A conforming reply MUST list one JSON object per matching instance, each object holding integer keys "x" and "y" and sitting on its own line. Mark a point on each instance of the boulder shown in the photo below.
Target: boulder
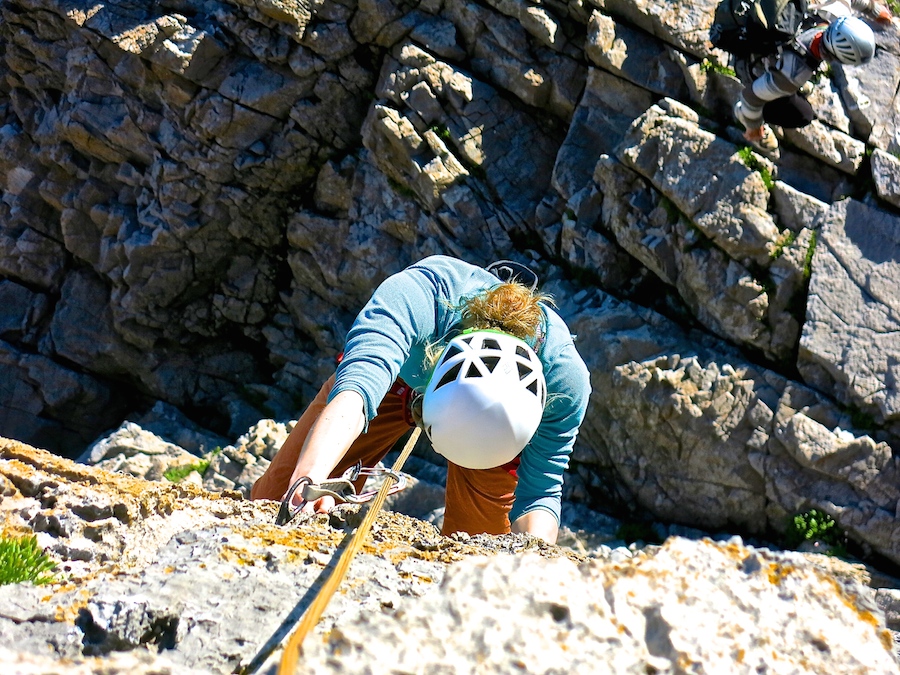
{"x": 849, "y": 345}
{"x": 716, "y": 606}
{"x": 702, "y": 436}
{"x": 886, "y": 173}
{"x": 625, "y": 52}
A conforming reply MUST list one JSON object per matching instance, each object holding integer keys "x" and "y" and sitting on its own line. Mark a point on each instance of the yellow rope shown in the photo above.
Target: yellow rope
{"x": 291, "y": 653}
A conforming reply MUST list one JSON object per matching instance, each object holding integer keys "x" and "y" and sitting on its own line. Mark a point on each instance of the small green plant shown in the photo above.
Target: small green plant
{"x": 762, "y": 276}
{"x": 860, "y": 419}
{"x": 822, "y": 73}
{"x": 814, "y": 525}
{"x": 176, "y": 474}
{"x": 21, "y": 559}
{"x": 784, "y": 240}
{"x": 401, "y": 189}
{"x": 672, "y": 212}
{"x": 475, "y": 170}
{"x": 707, "y": 65}
{"x": 894, "y": 6}
{"x": 633, "y": 531}
{"x": 752, "y": 162}
{"x": 442, "y": 132}
{"x": 810, "y": 252}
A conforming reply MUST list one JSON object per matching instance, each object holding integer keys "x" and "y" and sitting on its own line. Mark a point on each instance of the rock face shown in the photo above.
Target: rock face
{"x": 703, "y": 436}
{"x": 854, "y": 310}
{"x": 197, "y": 197}
{"x": 155, "y": 577}
{"x": 205, "y": 578}
{"x": 662, "y": 614}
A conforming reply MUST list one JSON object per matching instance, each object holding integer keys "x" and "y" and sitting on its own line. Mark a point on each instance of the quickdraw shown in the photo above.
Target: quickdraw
{"x": 341, "y": 489}
{"x": 291, "y": 654}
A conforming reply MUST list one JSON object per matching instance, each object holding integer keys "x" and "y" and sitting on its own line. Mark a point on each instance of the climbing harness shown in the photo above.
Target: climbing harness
{"x": 341, "y": 489}
{"x": 312, "y": 615}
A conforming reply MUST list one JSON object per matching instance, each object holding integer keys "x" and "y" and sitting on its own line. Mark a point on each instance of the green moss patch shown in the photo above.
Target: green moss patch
{"x": 751, "y": 161}
{"x": 176, "y": 474}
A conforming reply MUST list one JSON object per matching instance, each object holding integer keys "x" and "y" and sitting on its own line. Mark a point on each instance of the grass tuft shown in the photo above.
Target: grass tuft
{"x": 21, "y": 559}
{"x": 784, "y": 240}
{"x": 672, "y": 212}
{"x": 861, "y": 419}
{"x": 442, "y": 132}
{"x": 707, "y": 65}
{"x": 810, "y": 252}
{"x": 751, "y": 161}
{"x": 402, "y": 189}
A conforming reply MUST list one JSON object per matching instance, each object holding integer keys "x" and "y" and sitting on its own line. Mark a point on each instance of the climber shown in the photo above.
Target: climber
{"x": 775, "y": 83}
{"x": 503, "y": 400}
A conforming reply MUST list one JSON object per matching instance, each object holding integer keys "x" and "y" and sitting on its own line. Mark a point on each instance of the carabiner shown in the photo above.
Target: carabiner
{"x": 285, "y": 514}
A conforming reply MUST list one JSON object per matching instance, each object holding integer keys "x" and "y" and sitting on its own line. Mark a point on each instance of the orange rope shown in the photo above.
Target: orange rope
{"x": 291, "y": 653}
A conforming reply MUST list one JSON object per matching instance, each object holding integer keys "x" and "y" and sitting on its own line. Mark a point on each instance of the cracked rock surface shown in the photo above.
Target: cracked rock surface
{"x": 157, "y": 577}
{"x": 197, "y": 196}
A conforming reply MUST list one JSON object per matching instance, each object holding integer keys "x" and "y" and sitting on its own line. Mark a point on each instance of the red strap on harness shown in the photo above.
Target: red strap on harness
{"x": 512, "y": 467}
{"x": 405, "y": 392}
{"x": 815, "y": 47}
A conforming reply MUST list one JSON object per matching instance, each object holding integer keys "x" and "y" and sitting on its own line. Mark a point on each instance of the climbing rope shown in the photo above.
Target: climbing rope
{"x": 312, "y": 615}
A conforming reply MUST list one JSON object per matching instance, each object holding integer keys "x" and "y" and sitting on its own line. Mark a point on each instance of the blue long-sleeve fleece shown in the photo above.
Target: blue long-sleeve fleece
{"x": 419, "y": 307}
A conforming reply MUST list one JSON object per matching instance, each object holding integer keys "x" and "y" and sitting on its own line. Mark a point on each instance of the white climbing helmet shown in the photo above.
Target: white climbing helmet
{"x": 850, "y": 40}
{"x": 485, "y": 399}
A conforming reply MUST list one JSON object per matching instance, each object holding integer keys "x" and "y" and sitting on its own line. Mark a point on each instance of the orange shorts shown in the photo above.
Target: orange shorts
{"x": 477, "y": 500}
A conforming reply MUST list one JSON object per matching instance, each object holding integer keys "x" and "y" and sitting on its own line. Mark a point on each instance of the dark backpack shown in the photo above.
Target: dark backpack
{"x": 760, "y": 27}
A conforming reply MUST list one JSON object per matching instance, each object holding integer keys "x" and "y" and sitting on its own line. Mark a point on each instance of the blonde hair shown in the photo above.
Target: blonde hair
{"x": 509, "y": 307}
